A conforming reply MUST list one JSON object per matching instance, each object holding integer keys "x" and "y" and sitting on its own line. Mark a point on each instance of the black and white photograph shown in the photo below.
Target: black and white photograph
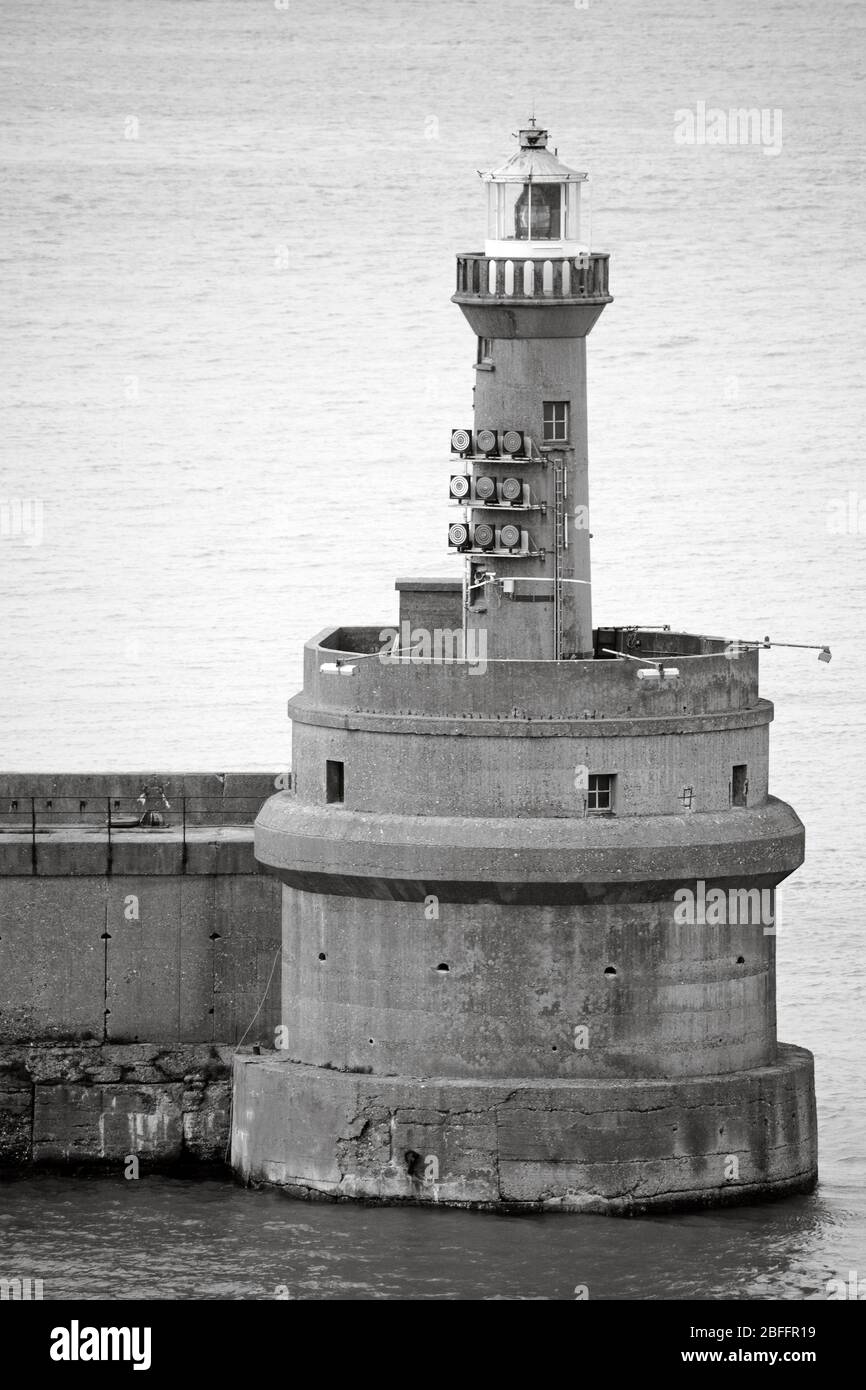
{"x": 432, "y": 534}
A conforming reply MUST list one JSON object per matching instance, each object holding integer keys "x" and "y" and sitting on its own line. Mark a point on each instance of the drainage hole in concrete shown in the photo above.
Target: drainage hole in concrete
{"x": 443, "y": 968}
{"x": 371, "y": 1040}
{"x": 741, "y": 960}
{"x": 322, "y": 956}
{"x": 609, "y": 970}
{"x": 554, "y": 1048}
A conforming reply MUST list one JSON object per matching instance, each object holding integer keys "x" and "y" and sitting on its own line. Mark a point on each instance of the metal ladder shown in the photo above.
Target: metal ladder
{"x": 560, "y": 541}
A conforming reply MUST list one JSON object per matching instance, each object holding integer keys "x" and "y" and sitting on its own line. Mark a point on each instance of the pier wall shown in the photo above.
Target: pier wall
{"x": 133, "y": 960}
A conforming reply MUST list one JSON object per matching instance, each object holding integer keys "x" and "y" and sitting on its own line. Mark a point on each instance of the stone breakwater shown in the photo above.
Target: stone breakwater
{"x": 138, "y": 940}
{"x": 100, "y": 1103}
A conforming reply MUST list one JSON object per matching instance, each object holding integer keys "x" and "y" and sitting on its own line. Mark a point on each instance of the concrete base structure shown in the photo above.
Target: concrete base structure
{"x": 491, "y": 996}
{"x": 606, "y": 1147}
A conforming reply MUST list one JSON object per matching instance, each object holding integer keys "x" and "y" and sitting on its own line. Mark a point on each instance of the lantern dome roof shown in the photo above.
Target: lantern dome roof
{"x": 533, "y": 162}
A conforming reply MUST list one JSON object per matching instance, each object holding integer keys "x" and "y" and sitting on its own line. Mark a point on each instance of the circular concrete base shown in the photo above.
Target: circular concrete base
{"x": 610, "y": 1147}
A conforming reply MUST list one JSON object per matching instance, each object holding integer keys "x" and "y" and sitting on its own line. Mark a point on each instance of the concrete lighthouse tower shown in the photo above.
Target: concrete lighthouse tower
{"x": 528, "y": 865}
{"x": 531, "y": 299}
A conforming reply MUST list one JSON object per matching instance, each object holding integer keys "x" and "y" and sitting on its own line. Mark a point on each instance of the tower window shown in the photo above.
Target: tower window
{"x": 485, "y": 349}
{"x": 599, "y": 797}
{"x": 555, "y": 422}
{"x": 333, "y": 780}
{"x": 739, "y": 784}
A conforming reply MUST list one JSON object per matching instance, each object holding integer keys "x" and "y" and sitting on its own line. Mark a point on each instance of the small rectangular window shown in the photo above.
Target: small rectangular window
{"x": 599, "y": 797}
{"x": 333, "y": 780}
{"x": 739, "y": 784}
{"x": 555, "y": 422}
{"x": 485, "y": 349}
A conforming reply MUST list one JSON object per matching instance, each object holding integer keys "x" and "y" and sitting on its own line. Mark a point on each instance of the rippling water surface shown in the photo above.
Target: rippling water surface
{"x": 171, "y": 1238}
{"x": 229, "y": 368}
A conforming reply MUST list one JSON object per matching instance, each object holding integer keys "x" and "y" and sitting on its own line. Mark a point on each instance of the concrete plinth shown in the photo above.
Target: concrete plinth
{"x": 493, "y": 996}
{"x": 608, "y": 1147}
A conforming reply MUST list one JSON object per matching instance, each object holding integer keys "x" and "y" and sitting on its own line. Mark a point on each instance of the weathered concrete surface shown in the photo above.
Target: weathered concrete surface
{"x": 68, "y": 798}
{"x": 489, "y": 991}
{"x": 177, "y": 957}
{"x": 526, "y": 372}
{"x": 522, "y": 693}
{"x": 519, "y": 854}
{"x": 52, "y": 957}
{"x": 460, "y": 919}
{"x": 611, "y": 1147}
{"x": 100, "y": 1104}
{"x": 131, "y": 959}
{"x": 431, "y": 603}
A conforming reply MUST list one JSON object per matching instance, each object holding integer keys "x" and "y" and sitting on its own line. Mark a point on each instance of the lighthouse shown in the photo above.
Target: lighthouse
{"x": 529, "y": 865}
{"x": 531, "y": 299}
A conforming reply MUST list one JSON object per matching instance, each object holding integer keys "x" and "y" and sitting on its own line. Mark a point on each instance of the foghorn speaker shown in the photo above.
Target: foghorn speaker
{"x": 511, "y": 489}
{"x": 458, "y": 535}
{"x": 512, "y": 442}
{"x": 483, "y": 536}
{"x": 484, "y": 488}
{"x": 485, "y": 441}
{"x": 459, "y": 485}
{"x": 510, "y": 537}
{"x": 461, "y": 442}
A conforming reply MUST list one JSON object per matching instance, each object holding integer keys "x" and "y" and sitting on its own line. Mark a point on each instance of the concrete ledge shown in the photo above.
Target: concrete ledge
{"x": 606, "y": 1147}
{"x": 81, "y": 852}
{"x": 514, "y": 855}
{"x": 476, "y": 726}
{"x": 224, "y": 789}
{"x": 530, "y": 318}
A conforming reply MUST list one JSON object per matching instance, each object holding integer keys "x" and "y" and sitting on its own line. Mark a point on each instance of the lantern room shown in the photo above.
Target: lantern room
{"x": 534, "y": 203}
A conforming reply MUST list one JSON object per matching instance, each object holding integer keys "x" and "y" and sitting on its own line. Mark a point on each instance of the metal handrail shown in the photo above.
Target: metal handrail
{"x": 112, "y": 813}
{"x": 587, "y": 276}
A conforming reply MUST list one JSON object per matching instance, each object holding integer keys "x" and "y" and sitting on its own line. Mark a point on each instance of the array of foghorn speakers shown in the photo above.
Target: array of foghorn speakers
{"x": 489, "y": 443}
{"x": 481, "y": 536}
{"x": 486, "y": 491}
